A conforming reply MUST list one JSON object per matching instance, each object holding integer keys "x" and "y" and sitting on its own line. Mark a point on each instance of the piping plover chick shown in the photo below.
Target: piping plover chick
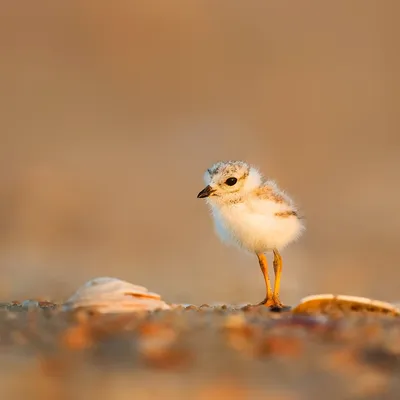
{"x": 253, "y": 214}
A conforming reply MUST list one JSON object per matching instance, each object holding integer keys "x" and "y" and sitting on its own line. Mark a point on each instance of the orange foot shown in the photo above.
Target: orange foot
{"x": 273, "y": 302}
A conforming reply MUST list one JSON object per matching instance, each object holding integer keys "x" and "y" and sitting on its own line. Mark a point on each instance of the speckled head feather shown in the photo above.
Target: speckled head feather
{"x": 229, "y": 181}
{"x": 229, "y": 167}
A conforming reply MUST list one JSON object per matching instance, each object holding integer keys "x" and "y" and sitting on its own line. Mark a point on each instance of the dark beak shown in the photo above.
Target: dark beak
{"x": 207, "y": 191}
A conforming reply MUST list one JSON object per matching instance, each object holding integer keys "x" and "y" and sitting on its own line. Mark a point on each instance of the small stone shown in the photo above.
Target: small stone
{"x": 30, "y": 304}
{"x": 191, "y": 307}
{"x": 47, "y": 304}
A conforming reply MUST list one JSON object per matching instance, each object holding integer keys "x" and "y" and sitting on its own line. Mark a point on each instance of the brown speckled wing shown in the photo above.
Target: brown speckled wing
{"x": 269, "y": 192}
{"x": 286, "y": 214}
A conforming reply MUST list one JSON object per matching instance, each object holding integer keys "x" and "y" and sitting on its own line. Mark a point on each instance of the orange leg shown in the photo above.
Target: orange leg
{"x": 278, "y": 272}
{"x": 268, "y": 301}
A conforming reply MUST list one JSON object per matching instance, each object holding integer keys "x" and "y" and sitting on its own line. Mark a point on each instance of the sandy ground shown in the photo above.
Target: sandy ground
{"x": 197, "y": 353}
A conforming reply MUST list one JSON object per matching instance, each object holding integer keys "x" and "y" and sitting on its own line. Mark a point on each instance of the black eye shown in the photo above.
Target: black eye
{"x": 231, "y": 181}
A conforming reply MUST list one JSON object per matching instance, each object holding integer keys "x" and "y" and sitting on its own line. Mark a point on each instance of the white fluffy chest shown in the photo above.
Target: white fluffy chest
{"x": 254, "y": 226}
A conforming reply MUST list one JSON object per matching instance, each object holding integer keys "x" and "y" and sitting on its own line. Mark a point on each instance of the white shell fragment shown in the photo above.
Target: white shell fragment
{"x": 323, "y": 302}
{"x": 112, "y": 295}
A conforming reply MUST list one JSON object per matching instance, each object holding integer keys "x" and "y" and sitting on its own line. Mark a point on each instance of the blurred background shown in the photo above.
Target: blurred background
{"x": 111, "y": 113}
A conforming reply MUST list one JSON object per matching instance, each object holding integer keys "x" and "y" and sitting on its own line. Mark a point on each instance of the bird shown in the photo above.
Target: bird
{"x": 253, "y": 214}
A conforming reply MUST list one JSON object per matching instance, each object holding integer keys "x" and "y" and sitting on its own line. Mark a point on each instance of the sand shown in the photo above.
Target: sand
{"x": 195, "y": 352}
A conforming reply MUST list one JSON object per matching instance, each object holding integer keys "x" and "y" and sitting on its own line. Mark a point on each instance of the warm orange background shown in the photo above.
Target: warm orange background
{"x": 111, "y": 114}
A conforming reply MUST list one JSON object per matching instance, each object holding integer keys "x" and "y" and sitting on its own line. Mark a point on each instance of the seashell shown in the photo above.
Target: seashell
{"x": 324, "y": 302}
{"x": 112, "y": 295}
